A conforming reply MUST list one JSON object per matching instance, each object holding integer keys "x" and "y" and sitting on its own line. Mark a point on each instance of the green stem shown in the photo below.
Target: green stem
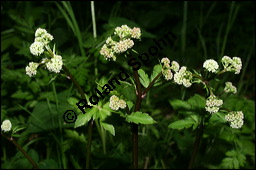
{"x": 88, "y": 152}
{"x": 135, "y": 126}
{"x": 196, "y": 145}
{"x": 22, "y": 150}
{"x": 151, "y": 84}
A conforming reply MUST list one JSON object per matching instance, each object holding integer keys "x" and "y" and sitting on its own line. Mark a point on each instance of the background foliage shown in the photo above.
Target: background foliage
{"x": 204, "y": 30}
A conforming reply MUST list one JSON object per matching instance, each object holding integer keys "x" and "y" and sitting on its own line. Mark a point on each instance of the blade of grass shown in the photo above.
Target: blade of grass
{"x": 183, "y": 30}
{"x": 232, "y": 16}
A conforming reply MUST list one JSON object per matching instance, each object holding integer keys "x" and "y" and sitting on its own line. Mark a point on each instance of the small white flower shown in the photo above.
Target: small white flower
{"x": 36, "y": 48}
{"x": 232, "y": 65}
{"x": 237, "y": 64}
{"x": 226, "y": 61}
{"x": 114, "y": 102}
{"x": 166, "y": 62}
{"x": 211, "y": 65}
{"x": 175, "y": 66}
{"x": 110, "y": 41}
{"x": 213, "y": 103}
{"x": 122, "y": 104}
{"x": 123, "y": 46}
{"x": 123, "y": 31}
{"x": 55, "y": 65}
{"x": 6, "y": 126}
{"x": 39, "y": 32}
{"x": 183, "y": 77}
{"x": 107, "y": 52}
{"x": 167, "y": 74}
{"x": 136, "y": 33}
{"x": 31, "y": 69}
{"x": 42, "y": 36}
{"x": 235, "y": 118}
{"x": 229, "y": 88}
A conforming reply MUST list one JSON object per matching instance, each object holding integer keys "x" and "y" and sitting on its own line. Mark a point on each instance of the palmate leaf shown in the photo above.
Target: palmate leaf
{"x": 139, "y": 117}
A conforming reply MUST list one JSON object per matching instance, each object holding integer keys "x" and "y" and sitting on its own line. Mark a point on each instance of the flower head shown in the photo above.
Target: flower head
{"x": 41, "y": 35}
{"x": 235, "y": 118}
{"x": 213, "y": 103}
{"x": 237, "y": 65}
{"x": 211, "y": 65}
{"x": 123, "y": 31}
{"x": 229, "y": 88}
{"x": 167, "y": 74}
{"x": 31, "y": 69}
{"x": 175, "y": 66}
{"x": 166, "y": 62}
{"x": 6, "y": 125}
{"x": 232, "y": 65}
{"x": 136, "y": 33}
{"x": 116, "y": 103}
{"x": 55, "y": 65}
{"x": 123, "y": 46}
{"x": 122, "y": 104}
{"x": 36, "y": 48}
{"x": 183, "y": 77}
{"x": 107, "y": 52}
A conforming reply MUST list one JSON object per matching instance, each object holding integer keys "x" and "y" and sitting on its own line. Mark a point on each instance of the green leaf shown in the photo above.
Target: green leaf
{"x": 139, "y": 117}
{"x": 197, "y": 102}
{"x": 157, "y": 69}
{"x": 84, "y": 118}
{"x": 129, "y": 104}
{"x": 143, "y": 78}
{"x": 180, "y": 104}
{"x": 181, "y": 124}
{"x": 108, "y": 127}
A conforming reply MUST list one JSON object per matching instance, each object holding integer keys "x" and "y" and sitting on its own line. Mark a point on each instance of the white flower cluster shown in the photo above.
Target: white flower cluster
{"x": 183, "y": 77}
{"x": 42, "y": 39}
{"x": 55, "y": 64}
{"x": 125, "y": 35}
{"x": 232, "y": 65}
{"x": 236, "y": 119}
{"x": 123, "y": 46}
{"x": 31, "y": 69}
{"x": 6, "y": 125}
{"x": 229, "y": 88}
{"x": 213, "y": 103}
{"x": 166, "y": 70}
{"x": 116, "y": 103}
{"x": 211, "y": 65}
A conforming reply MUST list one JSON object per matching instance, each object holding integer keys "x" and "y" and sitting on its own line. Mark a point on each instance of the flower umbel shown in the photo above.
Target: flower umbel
{"x": 229, "y": 88}
{"x": 213, "y": 103}
{"x": 31, "y": 69}
{"x": 235, "y": 118}
{"x": 232, "y": 65}
{"x": 36, "y": 48}
{"x": 116, "y": 103}
{"x": 55, "y": 64}
{"x": 211, "y": 65}
{"x": 125, "y": 35}
{"x": 183, "y": 77}
{"x": 6, "y": 125}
